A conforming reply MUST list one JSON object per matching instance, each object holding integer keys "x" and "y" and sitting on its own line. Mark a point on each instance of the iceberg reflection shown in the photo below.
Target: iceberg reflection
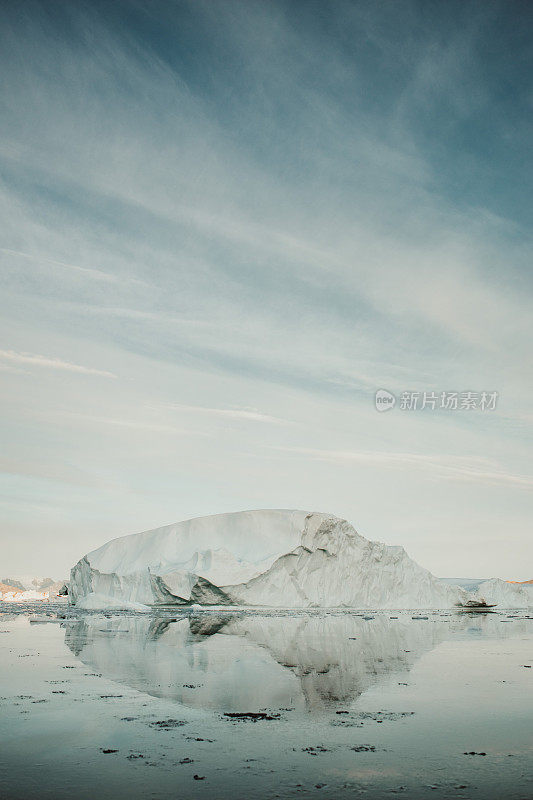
{"x": 248, "y": 662}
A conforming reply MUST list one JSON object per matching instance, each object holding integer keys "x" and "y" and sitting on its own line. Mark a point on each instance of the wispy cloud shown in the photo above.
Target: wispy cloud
{"x": 246, "y": 414}
{"x": 466, "y": 468}
{"x": 96, "y": 274}
{"x": 53, "y": 471}
{"x": 47, "y": 362}
{"x": 136, "y": 424}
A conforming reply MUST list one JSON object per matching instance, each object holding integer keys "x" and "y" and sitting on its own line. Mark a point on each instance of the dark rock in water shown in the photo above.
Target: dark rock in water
{"x": 475, "y": 605}
{"x": 198, "y": 739}
{"x": 199, "y": 777}
{"x": 166, "y": 724}
{"x": 250, "y": 715}
{"x": 108, "y": 750}
{"x": 363, "y": 748}
{"x": 187, "y": 761}
{"x": 473, "y": 753}
{"x": 380, "y": 716}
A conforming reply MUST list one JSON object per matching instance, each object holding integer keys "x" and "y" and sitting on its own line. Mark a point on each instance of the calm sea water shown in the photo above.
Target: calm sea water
{"x": 354, "y": 704}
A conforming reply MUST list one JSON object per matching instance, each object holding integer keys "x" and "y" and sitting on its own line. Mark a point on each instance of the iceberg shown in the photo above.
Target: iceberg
{"x": 266, "y": 558}
{"x": 505, "y": 594}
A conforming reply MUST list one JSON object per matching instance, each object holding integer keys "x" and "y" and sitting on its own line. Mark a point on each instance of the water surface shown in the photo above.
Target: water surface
{"x": 370, "y": 704}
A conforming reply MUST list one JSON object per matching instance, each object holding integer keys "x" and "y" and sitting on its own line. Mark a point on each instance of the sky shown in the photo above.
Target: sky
{"x": 225, "y": 226}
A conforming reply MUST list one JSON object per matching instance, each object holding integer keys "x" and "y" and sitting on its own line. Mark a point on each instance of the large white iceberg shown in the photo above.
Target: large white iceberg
{"x": 283, "y": 559}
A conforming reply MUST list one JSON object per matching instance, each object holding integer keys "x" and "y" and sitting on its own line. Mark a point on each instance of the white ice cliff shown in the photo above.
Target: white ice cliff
{"x": 283, "y": 559}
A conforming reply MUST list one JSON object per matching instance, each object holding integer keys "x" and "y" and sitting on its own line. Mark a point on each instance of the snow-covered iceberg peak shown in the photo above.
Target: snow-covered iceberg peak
{"x": 288, "y": 559}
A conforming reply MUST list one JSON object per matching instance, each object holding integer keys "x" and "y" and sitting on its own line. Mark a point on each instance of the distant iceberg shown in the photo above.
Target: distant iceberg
{"x": 505, "y": 594}
{"x": 29, "y": 589}
{"x": 280, "y": 559}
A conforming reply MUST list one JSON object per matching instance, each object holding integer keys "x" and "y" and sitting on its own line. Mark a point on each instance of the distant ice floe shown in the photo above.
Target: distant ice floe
{"x": 29, "y": 589}
{"x": 24, "y": 596}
